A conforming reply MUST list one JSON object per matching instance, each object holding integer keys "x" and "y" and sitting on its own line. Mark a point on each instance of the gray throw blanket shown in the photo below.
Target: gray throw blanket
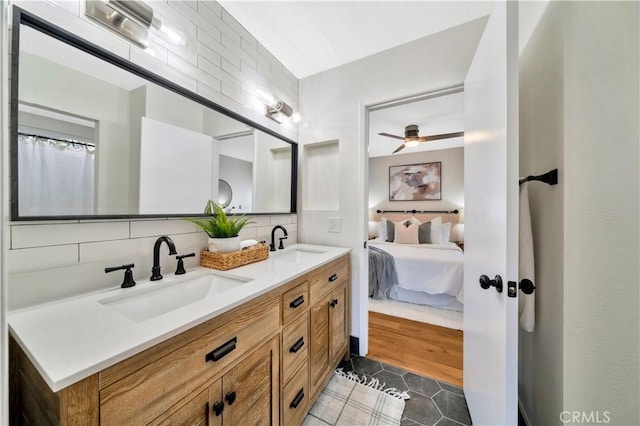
{"x": 382, "y": 273}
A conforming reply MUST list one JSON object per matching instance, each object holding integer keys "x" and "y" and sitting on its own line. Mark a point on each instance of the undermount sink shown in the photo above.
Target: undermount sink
{"x": 298, "y": 255}
{"x": 169, "y": 296}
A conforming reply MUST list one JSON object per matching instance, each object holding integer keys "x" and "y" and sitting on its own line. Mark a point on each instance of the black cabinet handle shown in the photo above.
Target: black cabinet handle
{"x": 333, "y": 277}
{"x": 297, "y": 302}
{"x": 296, "y": 401}
{"x": 218, "y": 408}
{"x": 335, "y": 302}
{"x": 221, "y": 351}
{"x": 230, "y": 398}
{"x": 333, "y": 305}
{"x": 297, "y": 346}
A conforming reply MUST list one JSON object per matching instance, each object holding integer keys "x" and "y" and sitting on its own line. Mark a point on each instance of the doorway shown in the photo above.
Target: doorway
{"x": 416, "y": 323}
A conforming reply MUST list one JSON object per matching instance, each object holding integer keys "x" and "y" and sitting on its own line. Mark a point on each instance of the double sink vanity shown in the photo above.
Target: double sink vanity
{"x": 254, "y": 345}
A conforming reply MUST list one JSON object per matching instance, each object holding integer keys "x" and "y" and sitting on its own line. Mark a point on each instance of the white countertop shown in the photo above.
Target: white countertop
{"x": 71, "y": 339}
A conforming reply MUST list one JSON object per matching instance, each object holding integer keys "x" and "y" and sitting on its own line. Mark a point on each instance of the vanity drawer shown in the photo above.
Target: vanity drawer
{"x": 328, "y": 278}
{"x": 294, "y": 302}
{"x": 295, "y": 398}
{"x": 295, "y": 346}
{"x": 146, "y": 393}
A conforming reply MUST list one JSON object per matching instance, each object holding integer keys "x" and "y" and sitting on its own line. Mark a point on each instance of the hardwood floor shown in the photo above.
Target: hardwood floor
{"x": 425, "y": 349}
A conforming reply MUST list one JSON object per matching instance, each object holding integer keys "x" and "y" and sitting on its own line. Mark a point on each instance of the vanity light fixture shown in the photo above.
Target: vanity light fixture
{"x": 133, "y": 20}
{"x": 277, "y": 109}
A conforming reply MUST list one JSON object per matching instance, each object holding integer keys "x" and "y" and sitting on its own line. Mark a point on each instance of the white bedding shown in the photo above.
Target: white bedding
{"x": 430, "y": 268}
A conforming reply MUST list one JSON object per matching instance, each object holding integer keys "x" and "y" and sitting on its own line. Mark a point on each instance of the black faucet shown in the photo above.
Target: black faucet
{"x": 272, "y": 246}
{"x": 155, "y": 271}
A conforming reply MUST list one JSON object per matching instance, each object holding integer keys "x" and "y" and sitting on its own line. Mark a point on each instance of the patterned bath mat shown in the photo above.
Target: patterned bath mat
{"x": 349, "y": 400}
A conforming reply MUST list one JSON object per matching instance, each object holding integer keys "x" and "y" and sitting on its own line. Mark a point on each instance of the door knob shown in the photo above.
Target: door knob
{"x": 486, "y": 282}
{"x": 526, "y": 286}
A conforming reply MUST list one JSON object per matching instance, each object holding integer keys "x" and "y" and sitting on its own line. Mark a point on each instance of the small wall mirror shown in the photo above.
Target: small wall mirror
{"x": 225, "y": 194}
{"x": 95, "y": 136}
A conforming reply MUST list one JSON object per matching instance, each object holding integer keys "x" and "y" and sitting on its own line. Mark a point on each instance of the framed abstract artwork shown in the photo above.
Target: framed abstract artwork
{"x": 415, "y": 182}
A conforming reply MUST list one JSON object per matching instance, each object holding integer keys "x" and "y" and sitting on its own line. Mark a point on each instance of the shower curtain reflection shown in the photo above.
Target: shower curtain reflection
{"x": 56, "y": 176}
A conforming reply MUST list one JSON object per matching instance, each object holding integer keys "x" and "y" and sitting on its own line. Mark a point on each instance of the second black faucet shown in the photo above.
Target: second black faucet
{"x": 272, "y": 246}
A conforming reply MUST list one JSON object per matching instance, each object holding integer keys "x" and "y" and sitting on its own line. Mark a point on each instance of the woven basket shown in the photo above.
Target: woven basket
{"x": 225, "y": 261}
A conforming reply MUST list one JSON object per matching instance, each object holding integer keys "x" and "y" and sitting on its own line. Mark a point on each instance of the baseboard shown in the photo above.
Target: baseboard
{"x": 354, "y": 345}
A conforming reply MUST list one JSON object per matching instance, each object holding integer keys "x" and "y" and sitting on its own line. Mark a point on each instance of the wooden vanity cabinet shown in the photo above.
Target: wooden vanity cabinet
{"x": 328, "y": 321}
{"x": 273, "y": 355}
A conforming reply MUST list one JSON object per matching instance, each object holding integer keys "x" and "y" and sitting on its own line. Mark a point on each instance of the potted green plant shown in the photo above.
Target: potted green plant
{"x": 223, "y": 231}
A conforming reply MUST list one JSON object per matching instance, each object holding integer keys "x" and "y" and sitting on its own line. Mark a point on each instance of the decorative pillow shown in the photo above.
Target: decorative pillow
{"x": 424, "y": 233}
{"x": 445, "y": 229}
{"x": 413, "y": 219}
{"x": 436, "y": 232}
{"x": 391, "y": 229}
{"x": 406, "y": 234}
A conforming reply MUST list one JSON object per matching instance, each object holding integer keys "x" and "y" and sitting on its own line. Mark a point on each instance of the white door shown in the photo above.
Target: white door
{"x": 491, "y": 221}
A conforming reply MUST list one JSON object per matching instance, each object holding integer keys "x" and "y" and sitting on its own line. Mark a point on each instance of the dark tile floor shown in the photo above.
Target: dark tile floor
{"x": 432, "y": 402}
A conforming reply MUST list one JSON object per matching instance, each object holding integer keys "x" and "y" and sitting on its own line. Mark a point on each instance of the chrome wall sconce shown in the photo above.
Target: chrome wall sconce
{"x": 131, "y": 19}
{"x": 277, "y": 109}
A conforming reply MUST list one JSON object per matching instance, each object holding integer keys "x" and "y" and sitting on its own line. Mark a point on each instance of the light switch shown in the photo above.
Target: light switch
{"x": 334, "y": 224}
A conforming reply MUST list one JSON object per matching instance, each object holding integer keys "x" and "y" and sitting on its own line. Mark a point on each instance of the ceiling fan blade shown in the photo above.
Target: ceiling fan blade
{"x": 441, "y": 136}
{"x": 400, "y": 148}
{"x": 391, "y": 136}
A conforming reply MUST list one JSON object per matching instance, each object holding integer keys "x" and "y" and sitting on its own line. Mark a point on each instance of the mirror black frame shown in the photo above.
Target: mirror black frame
{"x": 21, "y": 16}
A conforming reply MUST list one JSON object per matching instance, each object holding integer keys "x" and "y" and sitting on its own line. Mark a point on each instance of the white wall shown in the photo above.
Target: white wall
{"x": 451, "y": 180}
{"x": 542, "y": 149}
{"x": 580, "y": 111}
{"x": 601, "y": 270}
{"x": 332, "y": 106}
{"x": 238, "y": 174}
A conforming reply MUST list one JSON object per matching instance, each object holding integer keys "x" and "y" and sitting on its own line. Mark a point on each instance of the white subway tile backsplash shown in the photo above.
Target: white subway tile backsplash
{"x": 32, "y": 259}
{"x": 208, "y": 54}
{"x": 235, "y": 25}
{"x": 234, "y": 46}
{"x": 24, "y": 236}
{"x": 192, "y": 70}
{"x": 248, "y": 233}
{"x": 206, "y": 7}
{"x": 156, "y": 228}
{"x": 79, "y": 26}
{"x": 281, "y": 219}
{"x": 163, "y": 70}
{"x": 261, "y": 220}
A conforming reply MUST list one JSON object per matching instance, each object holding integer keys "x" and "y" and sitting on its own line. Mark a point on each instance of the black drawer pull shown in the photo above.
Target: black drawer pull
{"x": 333, "y": 277}
{"x": 296, "y": 401}
{"x": 297, "y": 346}
{"x": 230, "y": 397}
{"x": 335, "y": 302}
{"x": 218, "y": 408}
{"x": 297, "y": 302}
{"x": 218, "y": 353}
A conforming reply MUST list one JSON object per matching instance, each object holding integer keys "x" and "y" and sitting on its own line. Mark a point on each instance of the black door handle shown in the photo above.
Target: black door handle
{"x": 527, "y": 287}
{"x": 230, "y": 398}
{"x": 333, "y": 277}
{"x": 486, "y": 282}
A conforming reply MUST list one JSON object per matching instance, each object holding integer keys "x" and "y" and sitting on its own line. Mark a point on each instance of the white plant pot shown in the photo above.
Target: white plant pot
{"x": 224, "y": 245}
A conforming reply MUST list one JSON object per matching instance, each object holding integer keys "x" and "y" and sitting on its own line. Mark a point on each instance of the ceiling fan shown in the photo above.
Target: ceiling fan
{"x": 411, "y": 137}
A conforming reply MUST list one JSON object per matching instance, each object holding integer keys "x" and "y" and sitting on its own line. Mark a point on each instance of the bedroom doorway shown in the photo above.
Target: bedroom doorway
{"x": 416, "y": 220}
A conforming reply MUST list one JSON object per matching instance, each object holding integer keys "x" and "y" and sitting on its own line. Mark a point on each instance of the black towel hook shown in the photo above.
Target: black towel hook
{"x": 550, "y": 178}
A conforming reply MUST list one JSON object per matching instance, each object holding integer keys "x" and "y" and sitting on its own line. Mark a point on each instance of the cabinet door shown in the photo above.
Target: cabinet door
{"x": 251, "y": 391}
{"x": 195, "y": 410}
{"x": 338, "y": 321}
{"x": 319, "y": 331}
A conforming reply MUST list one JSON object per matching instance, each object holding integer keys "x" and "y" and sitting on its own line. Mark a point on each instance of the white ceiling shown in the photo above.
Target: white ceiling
{"x": 444, "y": 114}
{"x": 308, "y": 37}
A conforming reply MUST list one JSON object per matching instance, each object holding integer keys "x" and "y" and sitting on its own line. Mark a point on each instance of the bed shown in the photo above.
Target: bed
{"x": 426, "y": 274}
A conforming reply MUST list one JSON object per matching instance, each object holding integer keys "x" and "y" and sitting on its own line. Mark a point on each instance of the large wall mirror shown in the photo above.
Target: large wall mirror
{"x": 94, "y": 136}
